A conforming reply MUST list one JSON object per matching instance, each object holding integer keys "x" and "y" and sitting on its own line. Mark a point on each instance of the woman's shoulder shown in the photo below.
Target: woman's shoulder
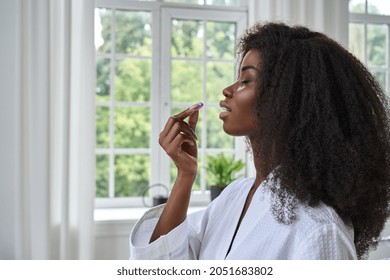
{"x": 311, "y": 218}
{"x": 320, "y": 213}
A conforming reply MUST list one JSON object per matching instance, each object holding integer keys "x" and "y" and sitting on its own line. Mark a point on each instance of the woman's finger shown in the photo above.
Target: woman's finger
{"x": 182, "y": 145}
{"x": 193, "y": 120}
{"x": 168, "y": 126}
{"x": 173, "y": 132}
{"x": 176, "y": 125}
{"x": 185, "y": 128}
{"x": 187, "y": 112}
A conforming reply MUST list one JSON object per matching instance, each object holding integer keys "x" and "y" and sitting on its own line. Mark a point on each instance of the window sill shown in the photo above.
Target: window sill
{"x": 128, "y": 214}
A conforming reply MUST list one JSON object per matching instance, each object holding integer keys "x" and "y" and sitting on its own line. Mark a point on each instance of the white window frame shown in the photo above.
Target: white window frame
{"x": 160, "y": 103}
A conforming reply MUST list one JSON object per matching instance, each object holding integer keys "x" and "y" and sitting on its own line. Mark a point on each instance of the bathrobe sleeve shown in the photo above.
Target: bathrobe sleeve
{"x": 183, "y": 242}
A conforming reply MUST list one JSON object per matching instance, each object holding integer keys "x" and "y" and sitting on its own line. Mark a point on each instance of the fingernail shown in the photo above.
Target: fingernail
{"x": 196, "y": 106}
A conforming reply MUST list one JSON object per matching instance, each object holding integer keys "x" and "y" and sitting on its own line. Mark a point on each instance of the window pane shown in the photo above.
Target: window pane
{"x": 187, "y": 38}
{"x": 216, "y": 136}
{"x": 102, "y": 79}
{"x": 381, "y": 7}
{"x": 381, "y": 78}
{"x": 133, "y": 33}
{"x": 132, "y": 127}
{"x": 102, "y": 127}
{"x": 219, "y": 76}
{"x": 132, "y": 80}
{"x": 102, "y": 175}
{"x": 103, "y": 30}
{"x": 131, "y": 174}
{"x": 220, "y": 40}
{"x": 187, "y": 81}
{"x": 356, "y": 40}
{"x": 377, "y": 40}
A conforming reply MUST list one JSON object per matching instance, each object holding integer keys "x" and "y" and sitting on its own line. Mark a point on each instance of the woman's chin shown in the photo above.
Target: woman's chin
{"x": 228, "y": 130}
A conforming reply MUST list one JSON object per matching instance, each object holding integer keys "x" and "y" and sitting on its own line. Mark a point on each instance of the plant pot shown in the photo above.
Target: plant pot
{"x": 161, "y": 199}
{"x": 215, "y": 191}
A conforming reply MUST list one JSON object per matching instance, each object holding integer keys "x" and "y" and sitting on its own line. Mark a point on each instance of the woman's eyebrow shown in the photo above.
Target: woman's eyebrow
{"x": 246, "y": 67}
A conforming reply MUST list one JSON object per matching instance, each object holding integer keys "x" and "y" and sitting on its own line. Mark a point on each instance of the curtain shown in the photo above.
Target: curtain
{"x": 53, "y": 200}
{"x": 327, "y": 16}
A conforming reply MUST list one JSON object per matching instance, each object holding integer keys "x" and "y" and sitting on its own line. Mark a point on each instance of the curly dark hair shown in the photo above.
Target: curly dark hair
{"x": 323, "y": 121}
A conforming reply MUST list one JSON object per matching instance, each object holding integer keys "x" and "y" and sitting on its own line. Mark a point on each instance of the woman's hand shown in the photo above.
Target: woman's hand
{"x": 178, "y": 139}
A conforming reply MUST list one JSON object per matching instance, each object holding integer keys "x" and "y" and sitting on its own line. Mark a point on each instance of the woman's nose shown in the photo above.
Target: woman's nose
{"x": 228, "y": 91}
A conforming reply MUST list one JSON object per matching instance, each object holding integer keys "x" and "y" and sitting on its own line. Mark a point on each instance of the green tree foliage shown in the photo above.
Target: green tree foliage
{"x": 133, "y": 33}
{"x": 183, "y": 88}
{"x": 132, "y": 80}
{"x": 132, "y": 174}
{"x": 216, "y": 137}
{"x": 102, "y": 175}
{"x": 187, "y": 38}
{"x": 102, "y": 127}
{"x": 132, "y": 127}
{"x": 102, "y": 79}
{"x": 220, "y": 38}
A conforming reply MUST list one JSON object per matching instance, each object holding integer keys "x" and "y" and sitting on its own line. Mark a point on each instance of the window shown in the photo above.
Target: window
{"x": 369, "y": 29}
{"x": 154, "y": 59}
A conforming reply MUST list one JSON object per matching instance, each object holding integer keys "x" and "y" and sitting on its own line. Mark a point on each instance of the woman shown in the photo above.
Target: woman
{"x": 317, "y": 122}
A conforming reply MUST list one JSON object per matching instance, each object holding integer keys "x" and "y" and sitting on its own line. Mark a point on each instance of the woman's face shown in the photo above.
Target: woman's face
{"x": 238, "y": 116}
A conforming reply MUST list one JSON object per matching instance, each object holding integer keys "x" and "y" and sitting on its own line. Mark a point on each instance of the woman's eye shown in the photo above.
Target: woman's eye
{"x": 244, "y": 82}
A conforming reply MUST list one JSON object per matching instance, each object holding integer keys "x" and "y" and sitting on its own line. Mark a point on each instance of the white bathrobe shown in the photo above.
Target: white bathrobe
{"x": 316, "y": 233}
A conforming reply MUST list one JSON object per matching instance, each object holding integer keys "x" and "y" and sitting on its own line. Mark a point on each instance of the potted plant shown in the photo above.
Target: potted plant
{"x": 221, "y": 171}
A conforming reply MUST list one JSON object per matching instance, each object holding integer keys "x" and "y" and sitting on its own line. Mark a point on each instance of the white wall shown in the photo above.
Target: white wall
{"x": 112, "y": 239}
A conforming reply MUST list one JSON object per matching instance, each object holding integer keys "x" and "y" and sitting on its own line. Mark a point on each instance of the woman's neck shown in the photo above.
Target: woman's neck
{"x": 260, "y": 172}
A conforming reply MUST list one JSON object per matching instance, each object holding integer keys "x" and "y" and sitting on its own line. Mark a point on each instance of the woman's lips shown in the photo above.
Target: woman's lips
{"x": 226, "y": 109}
